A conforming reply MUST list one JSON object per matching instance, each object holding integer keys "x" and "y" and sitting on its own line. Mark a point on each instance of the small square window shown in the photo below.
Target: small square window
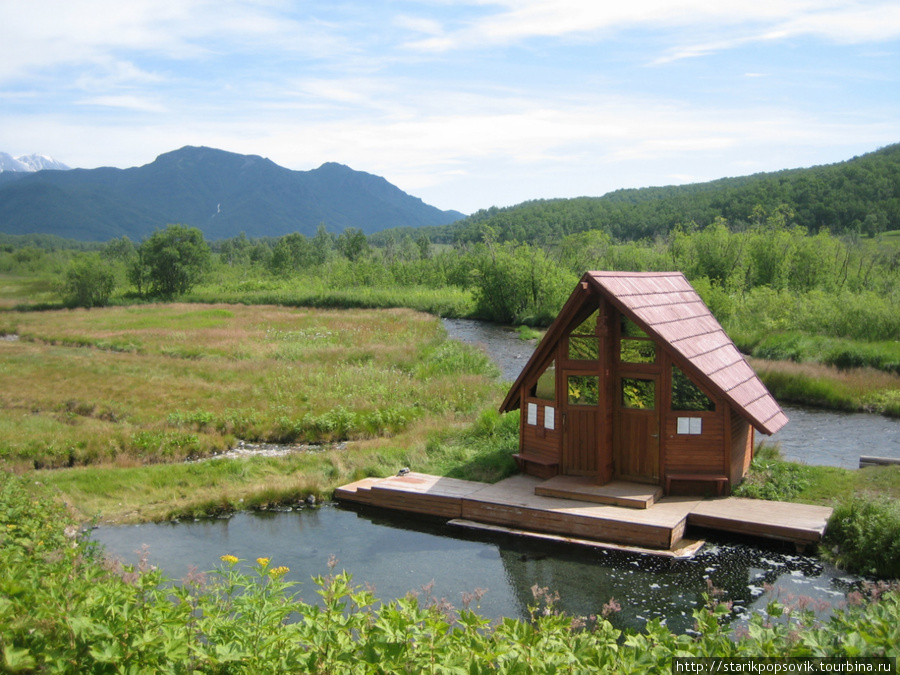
{"x": 583, "y": 389}
{"x": 638, "y": 394}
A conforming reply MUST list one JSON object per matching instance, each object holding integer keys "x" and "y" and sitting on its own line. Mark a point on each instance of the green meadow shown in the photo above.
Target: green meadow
{"x": 121, "y": 397}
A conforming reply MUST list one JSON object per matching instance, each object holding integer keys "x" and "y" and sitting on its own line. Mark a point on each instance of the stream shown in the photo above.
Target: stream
{"x": 398, "y": 553}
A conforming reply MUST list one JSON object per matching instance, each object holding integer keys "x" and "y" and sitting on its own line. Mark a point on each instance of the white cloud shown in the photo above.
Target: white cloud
{"x": 843, "y": 21}
{"x": 126, "y": 102}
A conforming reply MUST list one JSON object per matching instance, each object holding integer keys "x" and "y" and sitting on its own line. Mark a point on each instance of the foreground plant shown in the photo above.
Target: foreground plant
{"x": 63, "y": 609}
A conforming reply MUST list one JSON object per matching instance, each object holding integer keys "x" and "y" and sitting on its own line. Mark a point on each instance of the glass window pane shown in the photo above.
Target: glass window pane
{"x": 638, "y": 394}
{"x": 637, "y": 351}
{"x": 686, "y": 395}
{"x": 588, "y": 326}
{"x": 583, "y": 389}
{"x": 630, "y": 329}
{"x": 546, "y": 385}
{"x": 584, "y": 348}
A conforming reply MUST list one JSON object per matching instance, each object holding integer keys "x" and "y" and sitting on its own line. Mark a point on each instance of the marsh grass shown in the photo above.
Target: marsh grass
{"x": 323, "y": 292}
{"x": 161, "y": 383}
{"x": 480, "y": 450}
{"x": 858, "y": 389}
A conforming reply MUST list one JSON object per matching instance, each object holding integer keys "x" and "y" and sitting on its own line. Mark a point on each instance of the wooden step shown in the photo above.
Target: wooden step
{"x": 359, "y": 491}
{"x": 585, "y": 489}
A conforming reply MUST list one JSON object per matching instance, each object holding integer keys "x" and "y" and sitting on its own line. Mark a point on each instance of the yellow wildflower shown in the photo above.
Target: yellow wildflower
{"x": 279, "y": 571}
{"x": 262, "y": 562}
{"x": 230, "y": 559}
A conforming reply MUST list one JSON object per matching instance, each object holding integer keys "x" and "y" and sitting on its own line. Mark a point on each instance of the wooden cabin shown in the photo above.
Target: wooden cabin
{"x": 636, "y": 381}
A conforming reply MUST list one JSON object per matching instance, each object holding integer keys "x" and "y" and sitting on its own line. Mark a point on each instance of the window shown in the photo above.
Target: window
{"x": 583, "y": 389}
{"x": 583, "y": 342}
{"x": 588, "y": 326}
{"x": 545, "y": 387}
{"x": 638, "y": 394}
{"x": 584, "y": 348}
{"x": 635, "y": 346}
{"x": 687, "y": 396}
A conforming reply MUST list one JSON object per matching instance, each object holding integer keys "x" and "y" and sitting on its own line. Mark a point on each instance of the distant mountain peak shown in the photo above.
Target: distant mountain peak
{"x": 30, "y": 163}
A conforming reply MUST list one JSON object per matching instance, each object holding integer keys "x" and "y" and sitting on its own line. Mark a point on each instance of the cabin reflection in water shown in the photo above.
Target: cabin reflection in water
{"x": 636, "y": 381}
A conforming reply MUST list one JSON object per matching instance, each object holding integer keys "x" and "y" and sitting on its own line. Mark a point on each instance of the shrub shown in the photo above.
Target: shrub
{"x": 89, "y": 282}
{"x": 771, "y": 477}
{"x": 864, "y": 536}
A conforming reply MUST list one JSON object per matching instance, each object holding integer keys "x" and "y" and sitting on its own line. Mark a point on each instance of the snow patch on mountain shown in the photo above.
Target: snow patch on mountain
{"x": 30, "y": 163}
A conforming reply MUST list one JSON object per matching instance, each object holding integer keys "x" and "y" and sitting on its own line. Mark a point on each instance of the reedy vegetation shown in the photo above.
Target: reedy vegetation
{"x": 65, "y": 609}
{"x": 157, "y": 383}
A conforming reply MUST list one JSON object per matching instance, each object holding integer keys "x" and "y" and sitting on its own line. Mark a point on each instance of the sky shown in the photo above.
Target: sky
{"x": 466, "y": 104}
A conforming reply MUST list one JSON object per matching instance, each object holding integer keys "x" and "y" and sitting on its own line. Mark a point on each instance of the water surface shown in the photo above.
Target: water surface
{"x": 398, "y": 554}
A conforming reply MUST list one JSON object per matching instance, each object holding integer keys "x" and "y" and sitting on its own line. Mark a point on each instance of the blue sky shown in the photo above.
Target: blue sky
{"x": 466, "y": 104}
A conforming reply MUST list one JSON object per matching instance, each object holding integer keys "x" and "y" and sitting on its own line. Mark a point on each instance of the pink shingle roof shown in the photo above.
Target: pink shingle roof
{"x": 666, "y": 306}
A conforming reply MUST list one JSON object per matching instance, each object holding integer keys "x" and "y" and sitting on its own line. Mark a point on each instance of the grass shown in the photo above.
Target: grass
{"x": 777, "y": 479}
{"x": 117, "y": 494}
{"x": 115, "y": 399}
{"x": 325, "y": 293}
{"x": 158, "y": 383}
{"x": 858, "y": 389}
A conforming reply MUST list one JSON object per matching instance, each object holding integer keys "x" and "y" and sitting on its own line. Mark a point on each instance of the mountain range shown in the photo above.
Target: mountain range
{"x": 221, "y": 193}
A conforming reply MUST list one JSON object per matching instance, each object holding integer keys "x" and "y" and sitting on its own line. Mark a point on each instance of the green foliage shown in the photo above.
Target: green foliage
{"x": 481, "y": 452}
{"x": 772, "y": 478}
{"x": 864, "y": 532}
{"x": 170, "y": 262}
{"x": 64, "y": 609}
{"x": 859, "y": 196}
{"x": 89, "y": 282}
{"x": 811, "y": 389}
{"x": 517, "y": 283}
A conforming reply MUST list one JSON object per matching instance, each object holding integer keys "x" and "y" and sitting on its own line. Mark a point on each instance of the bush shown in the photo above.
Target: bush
{"x": 89, "y": 282}
{"x": 171, "y": 262}
{"x": 864, "y": 536}
{"x": 770, "y": 477}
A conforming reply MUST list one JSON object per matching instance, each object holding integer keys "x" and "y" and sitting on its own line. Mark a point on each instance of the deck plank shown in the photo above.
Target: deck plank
{"x": 779, "y": 520}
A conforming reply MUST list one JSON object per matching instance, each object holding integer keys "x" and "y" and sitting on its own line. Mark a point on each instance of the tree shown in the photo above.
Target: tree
{"x": 89, "y": 282}
{"x": 352, "y": 243}
{"x": 171, "y": 261}
{"x": 291, "y": 253}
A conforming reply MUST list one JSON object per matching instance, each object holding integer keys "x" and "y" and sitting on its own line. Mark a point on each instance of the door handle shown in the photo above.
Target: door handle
{"x": 654, "y": 435}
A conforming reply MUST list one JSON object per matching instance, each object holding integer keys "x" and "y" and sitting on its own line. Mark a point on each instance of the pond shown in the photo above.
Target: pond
{"x": 398, "y": 554}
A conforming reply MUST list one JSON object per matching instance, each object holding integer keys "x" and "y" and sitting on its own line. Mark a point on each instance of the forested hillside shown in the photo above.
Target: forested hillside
{"x": 221, "y": 193}
{"x": 861, "y": 195}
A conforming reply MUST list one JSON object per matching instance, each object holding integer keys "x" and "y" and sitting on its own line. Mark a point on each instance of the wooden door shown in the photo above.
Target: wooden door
{"x": 636, "y": 431}
{"x": 580, "y": 410}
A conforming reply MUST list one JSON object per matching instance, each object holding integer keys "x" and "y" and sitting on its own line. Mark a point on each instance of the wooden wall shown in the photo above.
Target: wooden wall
{"x": 741, "y": 447}
{"x": 537, "y": 440}
{"x": 695, "y": 453}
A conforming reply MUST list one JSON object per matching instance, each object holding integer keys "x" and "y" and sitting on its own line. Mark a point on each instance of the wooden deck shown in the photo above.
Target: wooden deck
{"x": 802, "y": 524}
{"x": 514, "y": 505}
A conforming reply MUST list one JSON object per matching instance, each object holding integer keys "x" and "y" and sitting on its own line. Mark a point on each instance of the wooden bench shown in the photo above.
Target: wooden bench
{"x": 719, "y": 479}
{"x": 548, "y": 467}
